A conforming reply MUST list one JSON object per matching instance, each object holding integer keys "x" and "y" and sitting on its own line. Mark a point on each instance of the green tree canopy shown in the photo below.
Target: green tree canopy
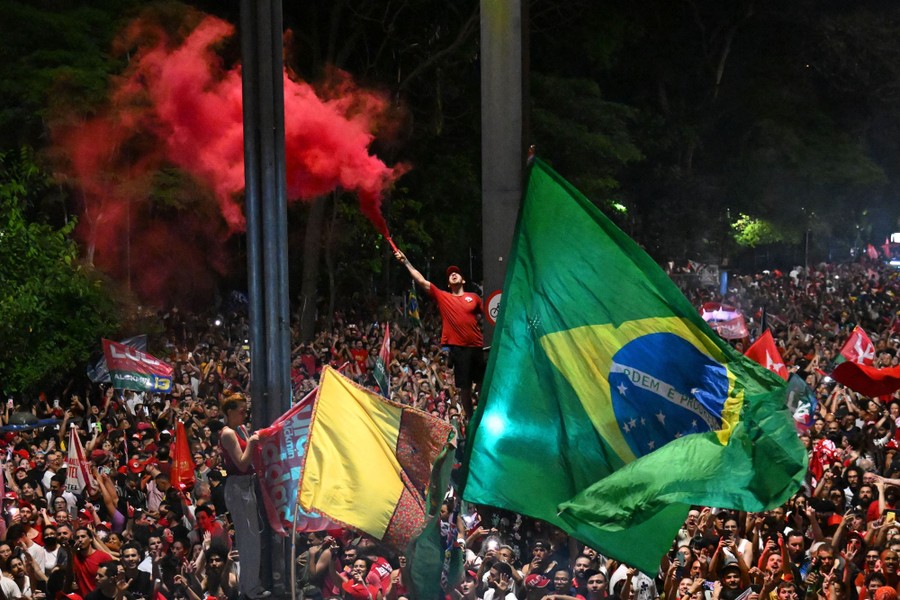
{"x": 53, "y": 311}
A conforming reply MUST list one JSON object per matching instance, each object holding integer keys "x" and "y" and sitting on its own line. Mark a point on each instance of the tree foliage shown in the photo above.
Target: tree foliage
{"x": 54, "y": 51}
{"x": 53, "y": 310}
{"x": 752, "y": 232}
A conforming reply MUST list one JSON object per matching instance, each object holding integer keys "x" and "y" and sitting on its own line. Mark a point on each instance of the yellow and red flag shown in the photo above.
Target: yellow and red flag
{"x": 368, "y": 461}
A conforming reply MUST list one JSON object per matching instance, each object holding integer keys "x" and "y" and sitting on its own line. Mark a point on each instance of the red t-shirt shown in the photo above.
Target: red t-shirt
{"x": 381, "y": 568}
{"x": 309, "y": 361}
{"x": 358, "y": 590}
{"x": 874, "y": 513}
{"x": 85, "y": 570}
{"x": 360, "y": 355}
{"x": 458, "y": 315}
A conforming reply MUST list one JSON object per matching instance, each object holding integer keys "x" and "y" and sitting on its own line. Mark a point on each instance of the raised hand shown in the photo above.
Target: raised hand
{"x": 503, "y": 583}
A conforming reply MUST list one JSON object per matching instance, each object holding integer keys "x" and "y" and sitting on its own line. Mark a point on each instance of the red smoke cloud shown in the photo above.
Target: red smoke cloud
{"x": 178, "y": 106}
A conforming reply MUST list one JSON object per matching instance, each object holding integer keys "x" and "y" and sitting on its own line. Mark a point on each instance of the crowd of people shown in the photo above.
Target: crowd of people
{"x": 136, "y": 535}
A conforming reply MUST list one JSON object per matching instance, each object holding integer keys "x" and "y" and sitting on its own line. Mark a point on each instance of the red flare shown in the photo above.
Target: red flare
{"x": 178, "y": 105}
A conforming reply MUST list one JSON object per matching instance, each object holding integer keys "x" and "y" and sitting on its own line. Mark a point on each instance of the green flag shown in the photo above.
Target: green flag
{"x": 609, "y": 406}
{"x": 382, "y": 364}
{"x": 413, "y": 307}
{"x": 433, "y": 564}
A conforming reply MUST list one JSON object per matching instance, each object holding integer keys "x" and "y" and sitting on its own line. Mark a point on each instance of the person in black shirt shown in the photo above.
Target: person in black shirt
{"x": 140, "y": 583}
{"x": 217, "y": 491}
{"x": 111, "y": 583}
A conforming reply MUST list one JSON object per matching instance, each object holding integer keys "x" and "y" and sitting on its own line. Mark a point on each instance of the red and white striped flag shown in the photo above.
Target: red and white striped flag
{"x": 78, "y": 472}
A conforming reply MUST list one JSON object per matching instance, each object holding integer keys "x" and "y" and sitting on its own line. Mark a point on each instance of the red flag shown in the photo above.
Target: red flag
{"x": 382, "y": 364}
{"x": 131, "y": 369}
{"x": 385, "y": 352}
{"x": 78, "y": 473}
{"x": 859, "y": 348}
{"x": 765, "y": 352}
{"x": 868, "y": 380}
{"x": 278, "y": 461}
{"x": 872, "y": 252}
{"x": 182, "y": 463}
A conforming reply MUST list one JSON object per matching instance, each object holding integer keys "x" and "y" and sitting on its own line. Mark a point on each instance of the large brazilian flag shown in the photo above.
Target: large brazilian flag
{"x": 609, "y": 406}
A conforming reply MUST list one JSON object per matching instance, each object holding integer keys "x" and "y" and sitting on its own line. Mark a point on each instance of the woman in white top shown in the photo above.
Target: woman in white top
{"x": 741, "y": 545}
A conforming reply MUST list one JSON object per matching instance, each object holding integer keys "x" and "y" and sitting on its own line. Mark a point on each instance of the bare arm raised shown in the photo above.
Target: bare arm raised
{"x": 416, "y": 275}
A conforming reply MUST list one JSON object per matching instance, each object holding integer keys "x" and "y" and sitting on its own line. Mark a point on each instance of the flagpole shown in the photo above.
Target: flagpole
{"x": 294, "y": 547}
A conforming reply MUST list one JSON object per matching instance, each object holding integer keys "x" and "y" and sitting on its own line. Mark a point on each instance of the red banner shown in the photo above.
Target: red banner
{"x": 278, "y": 461}
{"x": 716, "y": 311}
{"x": 732, "y": 329}
{"x": 867, "y": 380}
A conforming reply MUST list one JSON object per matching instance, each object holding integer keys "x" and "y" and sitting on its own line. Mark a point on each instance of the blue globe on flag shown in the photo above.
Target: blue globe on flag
{"x": 663, "y": 388}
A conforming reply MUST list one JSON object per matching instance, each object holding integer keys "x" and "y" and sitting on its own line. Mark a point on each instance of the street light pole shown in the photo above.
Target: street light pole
{"x": 503, "y": 125}
{"x": 267, "y": 268}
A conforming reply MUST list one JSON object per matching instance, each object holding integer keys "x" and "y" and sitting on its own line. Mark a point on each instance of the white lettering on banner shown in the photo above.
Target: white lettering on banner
{"x": 144, "y": 381}
{"x": 667, "y": 392}
{"x": 133, "y": 355}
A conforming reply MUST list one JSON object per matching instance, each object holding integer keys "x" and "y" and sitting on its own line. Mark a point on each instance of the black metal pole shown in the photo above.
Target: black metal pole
{"x": 264, "y": 166}
{"x": 281, "y": 201}
{"x": 267, "y": 181}
{"x": 250, "y": 96}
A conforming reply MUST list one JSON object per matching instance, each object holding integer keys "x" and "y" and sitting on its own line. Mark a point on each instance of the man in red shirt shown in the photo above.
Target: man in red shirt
{"x": 460, "y": 328}
{"x": 86, "y": 560}
{"x": 360, "y": 356}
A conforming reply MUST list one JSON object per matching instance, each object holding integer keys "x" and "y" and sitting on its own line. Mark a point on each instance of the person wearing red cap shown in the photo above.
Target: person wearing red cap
{"x": 467, "y": 589}
{"x": 460, "y": 329}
